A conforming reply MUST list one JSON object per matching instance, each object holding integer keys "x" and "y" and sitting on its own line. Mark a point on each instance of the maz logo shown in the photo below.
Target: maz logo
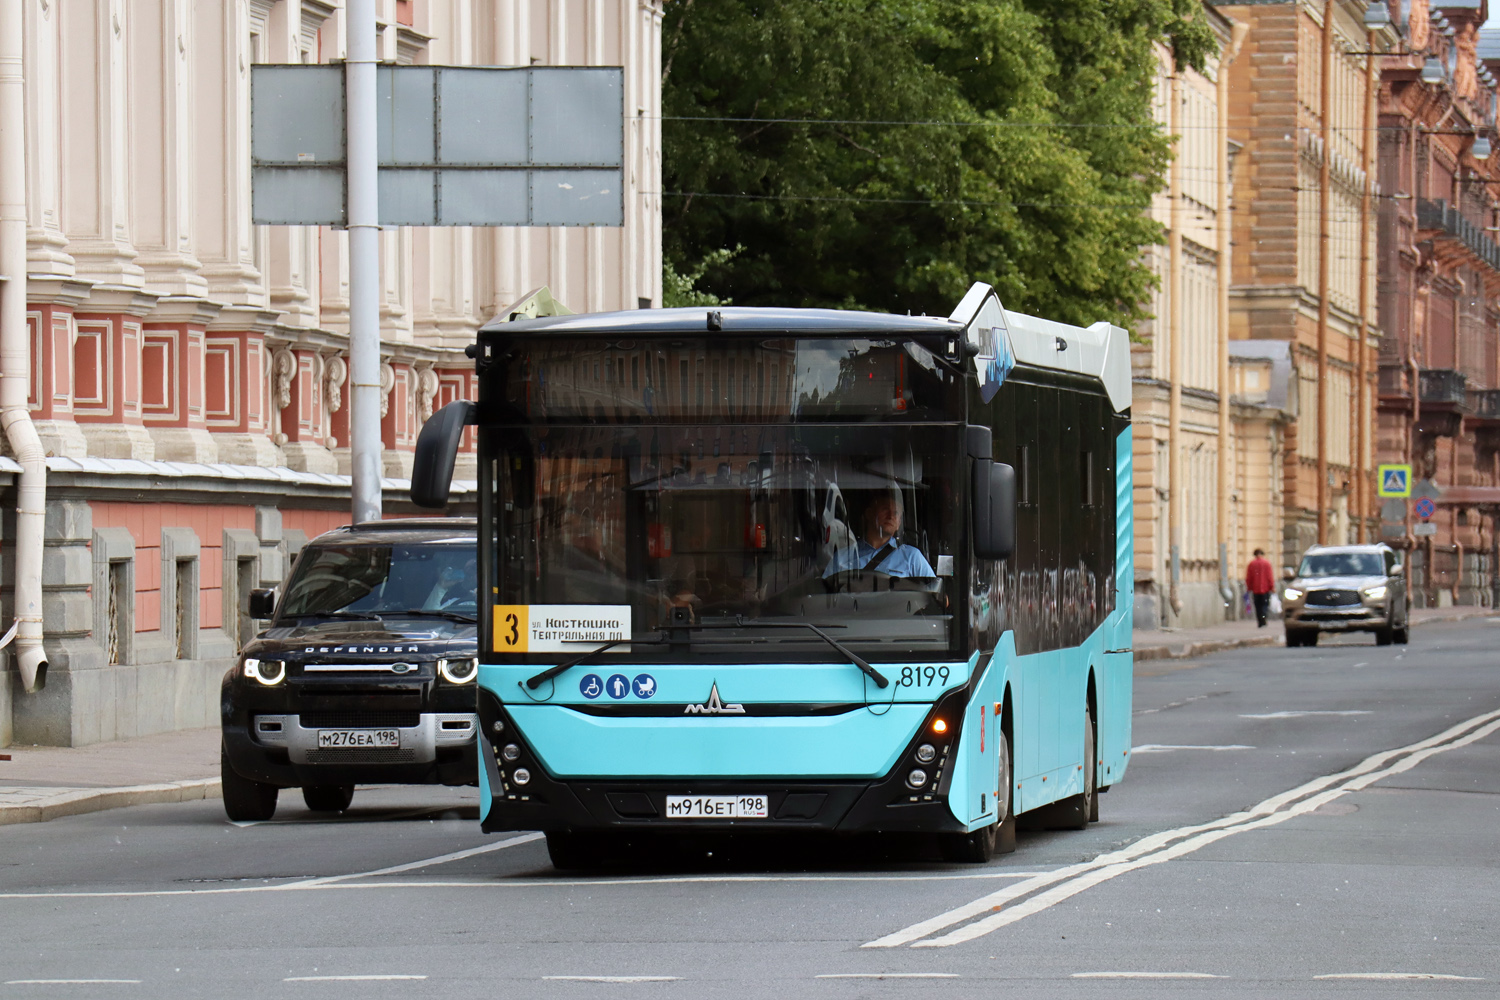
{"x": 714, "y": 706}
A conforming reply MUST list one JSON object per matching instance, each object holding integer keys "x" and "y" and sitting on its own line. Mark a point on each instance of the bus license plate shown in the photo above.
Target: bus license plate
{"x": 358, "y": 738}
{"x": 717, "y": 807}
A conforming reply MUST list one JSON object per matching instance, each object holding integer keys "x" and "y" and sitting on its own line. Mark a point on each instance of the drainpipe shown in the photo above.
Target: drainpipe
{"x": 1361, "y": 351}
{"x": 15, "y": 360}
{"x": 1236, "y": 38}
{"x": 1325, "y": 241}
{"x": 1175, "y": 488}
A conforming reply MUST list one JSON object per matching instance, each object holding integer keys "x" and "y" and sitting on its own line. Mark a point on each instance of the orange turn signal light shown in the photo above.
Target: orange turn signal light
{"x": 939, "y": 726}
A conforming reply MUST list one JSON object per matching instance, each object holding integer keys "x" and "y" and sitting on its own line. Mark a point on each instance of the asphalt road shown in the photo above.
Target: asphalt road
{"x": 1301, "y": 822}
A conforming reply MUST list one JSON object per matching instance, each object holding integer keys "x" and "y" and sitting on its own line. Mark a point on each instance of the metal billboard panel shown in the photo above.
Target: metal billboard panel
{"x": 298, "y": 196}
{"x": 577, "y": 116}
{"x": 296, "y": 114}
{"x": 576, "y": 198}
{"x": 483, "y": 198}
{"x": 407, "y": 198}
{"x": 405, "y": 126}
{"x": 457, "y": 145}
{"x": 484, "y": 116}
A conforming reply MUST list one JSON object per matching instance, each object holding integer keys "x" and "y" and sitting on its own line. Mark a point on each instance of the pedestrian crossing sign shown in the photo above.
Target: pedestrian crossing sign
{"x": 1395, "y": 480}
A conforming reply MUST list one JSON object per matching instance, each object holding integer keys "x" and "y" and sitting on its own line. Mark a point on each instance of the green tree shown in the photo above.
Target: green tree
{"x": 886, "y": 153}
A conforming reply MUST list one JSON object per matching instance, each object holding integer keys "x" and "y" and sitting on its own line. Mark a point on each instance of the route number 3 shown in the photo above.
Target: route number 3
{"x": 510, "y": 628}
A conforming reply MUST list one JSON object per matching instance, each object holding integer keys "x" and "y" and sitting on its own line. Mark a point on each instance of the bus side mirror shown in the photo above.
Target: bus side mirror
{"x": 437, "y": 448}
{"x": 994, "y": 510}
{"x": 262, "y": 604}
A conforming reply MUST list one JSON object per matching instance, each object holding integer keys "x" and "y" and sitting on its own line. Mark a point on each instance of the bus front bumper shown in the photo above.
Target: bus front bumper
{"x": 545, "y": 802}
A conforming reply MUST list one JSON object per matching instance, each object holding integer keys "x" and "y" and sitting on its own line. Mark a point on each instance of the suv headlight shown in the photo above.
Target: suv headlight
{"x": 268, "y": 672}
{"x": 458, "y": 671}
{"x": 1375, "y": 593}
{"x": 1291, "y": 594}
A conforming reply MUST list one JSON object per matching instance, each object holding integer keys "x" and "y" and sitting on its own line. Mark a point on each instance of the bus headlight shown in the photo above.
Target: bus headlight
{"x": 1375, "y": 593}
{"x": 917, "y": 778}
{"x": 926, "y": 753}
{"x": 268, "y": 672}
{"x": 458, "y": 671}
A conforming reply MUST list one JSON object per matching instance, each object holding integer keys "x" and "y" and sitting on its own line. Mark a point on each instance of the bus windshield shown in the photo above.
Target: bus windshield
{"x": 737, "y": 527}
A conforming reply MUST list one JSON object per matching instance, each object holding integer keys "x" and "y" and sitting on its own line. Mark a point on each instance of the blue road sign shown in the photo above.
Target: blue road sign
{"x": 618, "y": 686}
{"x": 591, "y": 686}
{"x": 644, "y": 685}
{"x": 1394, "y": 480}
{"x": 1425, "y": 508}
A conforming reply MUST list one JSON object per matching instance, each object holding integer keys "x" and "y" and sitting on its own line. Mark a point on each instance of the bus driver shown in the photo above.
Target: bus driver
{"x": 878, "y": 548}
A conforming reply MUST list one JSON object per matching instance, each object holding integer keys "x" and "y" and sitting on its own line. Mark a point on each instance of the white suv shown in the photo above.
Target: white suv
{"x": 1346, "y": 588}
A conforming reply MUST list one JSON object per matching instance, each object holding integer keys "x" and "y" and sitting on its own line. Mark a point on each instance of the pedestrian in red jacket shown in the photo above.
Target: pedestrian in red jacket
{"x": 1260, "y": 580}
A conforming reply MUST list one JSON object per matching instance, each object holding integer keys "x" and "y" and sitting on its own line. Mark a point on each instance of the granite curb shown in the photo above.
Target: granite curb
{"x": 75, "y": 801}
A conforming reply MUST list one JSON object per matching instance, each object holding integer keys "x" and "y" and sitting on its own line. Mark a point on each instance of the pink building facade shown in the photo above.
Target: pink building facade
{"x": 190, "y": 371}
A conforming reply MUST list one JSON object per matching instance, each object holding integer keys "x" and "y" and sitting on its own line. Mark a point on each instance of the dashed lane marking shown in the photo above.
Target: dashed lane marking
{"x": 1169, "y": 747}
{"x": 996, "y": 910}
{"x": 1298, "y": 715}
{"x": 1398, "y": 975}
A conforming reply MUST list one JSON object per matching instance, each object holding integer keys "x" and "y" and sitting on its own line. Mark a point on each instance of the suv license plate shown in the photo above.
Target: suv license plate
{"x": 717, "y": 806}
{"x": 358, "y": 738}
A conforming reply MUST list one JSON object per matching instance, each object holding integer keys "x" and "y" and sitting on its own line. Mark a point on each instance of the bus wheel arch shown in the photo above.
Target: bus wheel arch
{"x": 1005, "y": 835}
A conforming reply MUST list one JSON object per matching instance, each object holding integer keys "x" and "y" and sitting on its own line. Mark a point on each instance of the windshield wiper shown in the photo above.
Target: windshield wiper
{"x": 566, "y": 665}
{"x": 450, "y": 615}
{"x": 880, "y": 679}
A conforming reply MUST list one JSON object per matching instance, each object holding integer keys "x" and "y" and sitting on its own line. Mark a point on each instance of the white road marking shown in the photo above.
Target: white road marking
{"x": 1146, "y": 975}
{"x": 614, "y": 979}
{"x": 332, "y": 882}
{"x": 64, "y": 982}
{"x": 887, "y": 975}
{"x": 1171, "y": 844}
{"x": 426, "y": 863}
{"x": 345, "y": 979}
{"x": 1298, "y": 715}
{"x": 1169, "y": 747}
{"x": 1398, "y": 975}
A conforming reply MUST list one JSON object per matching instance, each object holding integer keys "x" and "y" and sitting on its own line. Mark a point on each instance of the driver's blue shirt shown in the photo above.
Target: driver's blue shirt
{"x": 905, "y": 560}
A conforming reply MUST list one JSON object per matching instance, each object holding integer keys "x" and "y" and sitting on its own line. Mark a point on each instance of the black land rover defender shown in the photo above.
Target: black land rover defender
{"x": 366, "y": 673}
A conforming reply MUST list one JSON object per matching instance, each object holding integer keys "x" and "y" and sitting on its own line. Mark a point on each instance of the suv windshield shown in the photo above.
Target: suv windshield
{"x": 434, "y": 577}
{"x": 1342, "y": 564}
{"x": 854, "y": 527}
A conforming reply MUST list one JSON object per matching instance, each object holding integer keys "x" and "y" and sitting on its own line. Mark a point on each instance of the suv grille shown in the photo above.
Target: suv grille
{"x": 1333, "y": 598}
{"x": 361, "y": 720}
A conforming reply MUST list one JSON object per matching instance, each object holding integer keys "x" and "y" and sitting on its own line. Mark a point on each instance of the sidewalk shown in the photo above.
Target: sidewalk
{"x": 42, "y": 783}
{"x": 1188, "y": 643}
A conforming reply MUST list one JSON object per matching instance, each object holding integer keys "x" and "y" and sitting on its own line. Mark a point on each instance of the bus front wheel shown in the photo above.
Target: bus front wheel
{"x": 997, "y": 838}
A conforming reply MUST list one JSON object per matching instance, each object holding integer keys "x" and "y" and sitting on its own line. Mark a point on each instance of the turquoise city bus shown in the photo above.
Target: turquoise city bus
{"x": 797, "y": 569}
